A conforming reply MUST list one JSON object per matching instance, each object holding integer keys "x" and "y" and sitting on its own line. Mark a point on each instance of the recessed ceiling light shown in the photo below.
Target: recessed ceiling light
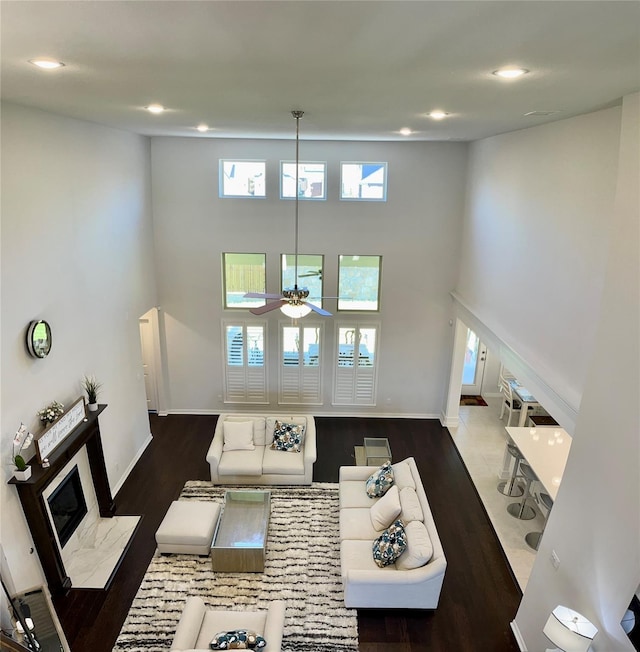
{"x": 47, "y": 64}
{"x": 437, "y": 114}
{"x": 155, "y": 108}
{"x": 510, "y": 72}
{"x": 202, "y": 128}
{"x": 405, "y": 131}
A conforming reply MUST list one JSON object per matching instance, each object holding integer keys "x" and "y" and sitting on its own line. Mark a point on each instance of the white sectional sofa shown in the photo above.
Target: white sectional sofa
{"x": 366, "y": 585}
{"x": 256, "y": 463}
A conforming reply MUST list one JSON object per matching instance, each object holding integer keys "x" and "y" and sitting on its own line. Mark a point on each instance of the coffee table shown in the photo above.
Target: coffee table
{"x": 375, "y": 452}
{"x": 240, "y": 539}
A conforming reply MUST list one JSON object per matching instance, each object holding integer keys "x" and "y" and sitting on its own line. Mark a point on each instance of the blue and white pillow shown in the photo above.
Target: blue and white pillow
{"x": 237, "y": 639}
{"x": 380, "y": 482}
{"x": 390, "y": 544}
{"x": 287, "y": 437}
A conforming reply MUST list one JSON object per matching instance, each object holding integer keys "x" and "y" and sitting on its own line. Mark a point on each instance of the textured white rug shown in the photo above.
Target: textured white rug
{"x": 302, "y": 568}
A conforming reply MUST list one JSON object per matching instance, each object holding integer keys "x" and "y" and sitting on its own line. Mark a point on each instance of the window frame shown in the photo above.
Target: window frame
{"x": 249, "y": 303}
{"x": 301, "y": 282}
{"x": 221, "y": 178}
{"x": 385, "y": 166}
{"x": 300, "y": 163}
{"x": 378, "y": 293}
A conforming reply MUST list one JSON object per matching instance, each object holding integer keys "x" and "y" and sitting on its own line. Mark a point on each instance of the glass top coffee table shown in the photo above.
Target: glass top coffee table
{"x": 240, "y": 539}
{"x": 376, "y": 451}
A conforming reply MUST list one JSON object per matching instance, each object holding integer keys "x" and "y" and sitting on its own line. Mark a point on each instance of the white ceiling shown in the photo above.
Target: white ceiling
{"x": 359, "y": 69}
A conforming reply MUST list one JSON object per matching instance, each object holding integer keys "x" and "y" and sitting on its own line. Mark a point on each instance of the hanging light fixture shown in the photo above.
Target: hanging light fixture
{"x": 293, "y": 300}
{"x": 296, "y": 306}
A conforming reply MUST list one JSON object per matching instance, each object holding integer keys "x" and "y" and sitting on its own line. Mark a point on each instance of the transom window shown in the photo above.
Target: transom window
{"x": 359, "y": 283}
{"x": 312, "y": 180}
{"x": 242, "y": 179}
{"x": 242, "y": 273}
{"x": 363, "y": 181}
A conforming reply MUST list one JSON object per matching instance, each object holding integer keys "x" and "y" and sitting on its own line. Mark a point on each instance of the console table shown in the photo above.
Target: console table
{"x": 30, "y": 491}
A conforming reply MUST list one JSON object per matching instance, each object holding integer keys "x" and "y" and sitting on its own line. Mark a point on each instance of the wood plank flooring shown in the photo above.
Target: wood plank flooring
{"x": 480, "y": 595}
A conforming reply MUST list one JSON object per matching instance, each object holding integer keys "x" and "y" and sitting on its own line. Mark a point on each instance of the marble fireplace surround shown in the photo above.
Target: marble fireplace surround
{"x": 93, "y": 552}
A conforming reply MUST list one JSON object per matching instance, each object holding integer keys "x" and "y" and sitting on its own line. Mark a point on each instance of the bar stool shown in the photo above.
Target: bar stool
{"x": 509, "y": 487}
{"x": 533, "y": 538}
{"x": 521, "y": 510}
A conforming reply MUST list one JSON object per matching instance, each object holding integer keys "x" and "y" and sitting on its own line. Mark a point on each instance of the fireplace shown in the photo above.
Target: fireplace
{"x": 68, "y": 506}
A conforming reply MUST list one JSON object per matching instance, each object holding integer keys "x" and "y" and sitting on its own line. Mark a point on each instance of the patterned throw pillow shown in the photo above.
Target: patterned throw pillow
{"x": 379, "y": 482}
{"x": 237, "y": 639}
{"x": 287, "y": 437}
{"x": 390, "y": 544}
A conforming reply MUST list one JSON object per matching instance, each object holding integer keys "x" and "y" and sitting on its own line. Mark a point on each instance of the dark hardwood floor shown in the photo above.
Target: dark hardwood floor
{"x": 479, "y": 598}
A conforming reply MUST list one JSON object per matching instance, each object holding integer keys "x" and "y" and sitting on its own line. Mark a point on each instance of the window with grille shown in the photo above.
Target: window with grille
{"x": 300, "y": 373}
{"x": 245, "y": 379}
{"x": 356, "y": 365}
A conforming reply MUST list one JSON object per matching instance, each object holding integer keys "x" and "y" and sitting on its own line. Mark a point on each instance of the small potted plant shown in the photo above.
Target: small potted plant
{"x": 92, "y": 387}
{"x": 21, "y": 441}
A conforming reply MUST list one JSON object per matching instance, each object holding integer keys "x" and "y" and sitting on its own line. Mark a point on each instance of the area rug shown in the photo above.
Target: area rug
{"x": 302, "y": 567}
{"x": 472, "y": 400}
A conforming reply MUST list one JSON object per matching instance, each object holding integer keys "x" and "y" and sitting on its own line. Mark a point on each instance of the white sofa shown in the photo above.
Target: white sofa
{"x": 366, "y": 585}
{"x": 198, "y": 625}
{"x": 261, "y": 465}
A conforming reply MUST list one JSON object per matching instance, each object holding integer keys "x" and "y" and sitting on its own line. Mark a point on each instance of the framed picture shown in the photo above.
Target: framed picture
{"x": 59, "y": 430}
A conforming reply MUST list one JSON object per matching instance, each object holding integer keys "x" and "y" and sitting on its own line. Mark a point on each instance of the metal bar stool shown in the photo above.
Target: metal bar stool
{"x": 533, "y": 538}
{"x": 521, "y": 510}
{"x": 509, "y": 487}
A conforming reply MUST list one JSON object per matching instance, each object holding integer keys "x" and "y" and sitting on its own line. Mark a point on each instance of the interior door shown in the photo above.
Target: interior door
{"x": 475, "y": 356}
{"x": 148, "y": 364}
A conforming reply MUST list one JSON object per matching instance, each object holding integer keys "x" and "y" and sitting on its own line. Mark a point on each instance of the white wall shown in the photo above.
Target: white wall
{"x": 77, "y": 251}
{"x": 416, "y": 231}
{"x": 534, "y": 241}
{"x": 565, "y": 197}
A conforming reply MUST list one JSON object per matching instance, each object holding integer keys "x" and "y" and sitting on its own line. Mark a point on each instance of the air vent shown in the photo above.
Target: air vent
{"x": 535, "y": 114}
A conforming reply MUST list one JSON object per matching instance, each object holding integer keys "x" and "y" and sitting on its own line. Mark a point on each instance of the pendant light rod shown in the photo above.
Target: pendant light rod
{"x": 297, "y": 115}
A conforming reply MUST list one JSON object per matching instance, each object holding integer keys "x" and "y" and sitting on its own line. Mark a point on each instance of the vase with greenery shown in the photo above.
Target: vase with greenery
{"x": 50, "y": 413}
{"x": 92, "y": 387}
{"x": 21, "y": 441}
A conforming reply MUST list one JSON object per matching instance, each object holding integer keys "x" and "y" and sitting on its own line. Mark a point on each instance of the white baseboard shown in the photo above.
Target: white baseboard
{"x": 518, "y": 636}
{"x": 303, "y": 409}
{"x": 449, "y": 422}
{"x": 133, "y": 462}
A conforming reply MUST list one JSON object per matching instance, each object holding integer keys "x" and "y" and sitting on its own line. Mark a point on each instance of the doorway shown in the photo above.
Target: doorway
{"x": 475, "y": 356}
{"x": 148, "y": 324}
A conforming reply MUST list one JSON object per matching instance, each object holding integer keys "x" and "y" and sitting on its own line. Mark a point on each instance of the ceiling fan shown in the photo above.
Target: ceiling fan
{"x": 293, "y": 301}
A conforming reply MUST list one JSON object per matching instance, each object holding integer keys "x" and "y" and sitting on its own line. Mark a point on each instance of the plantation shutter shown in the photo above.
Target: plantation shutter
{"x": 300, "y": 369}
{"x": 355, "y": 377}
{"x": 244, "y": 364}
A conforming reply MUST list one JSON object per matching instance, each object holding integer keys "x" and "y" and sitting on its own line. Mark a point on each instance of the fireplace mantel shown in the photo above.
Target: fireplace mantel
{"x": 31, "y": 491}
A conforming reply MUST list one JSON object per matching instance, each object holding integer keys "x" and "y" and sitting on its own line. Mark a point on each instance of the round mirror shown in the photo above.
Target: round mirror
{"x": 39, "y": 339}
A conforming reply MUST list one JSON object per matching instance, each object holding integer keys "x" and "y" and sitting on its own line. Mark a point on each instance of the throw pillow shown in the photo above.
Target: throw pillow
{"x": 238, "y": 436}
{"x": 403, "y": 475}
{"x": 390, "y": 544}
{"x": 386, "y": 510}
{"x": 287, "y": 437}
{"x": 419, "y": 547}
{"x": 379, "y": 482}
{"x": 237, "y": 639}
{"x": 411, "y": 509}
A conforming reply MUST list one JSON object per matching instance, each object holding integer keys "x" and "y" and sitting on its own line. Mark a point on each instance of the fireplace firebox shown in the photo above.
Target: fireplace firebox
{"x": 68, "y": 506}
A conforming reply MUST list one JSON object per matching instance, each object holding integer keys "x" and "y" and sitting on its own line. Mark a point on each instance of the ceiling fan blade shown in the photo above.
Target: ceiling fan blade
{"x": 261, "y": 295}
{"x": 260, "y": 310}
{"x": 320, "y": 311}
